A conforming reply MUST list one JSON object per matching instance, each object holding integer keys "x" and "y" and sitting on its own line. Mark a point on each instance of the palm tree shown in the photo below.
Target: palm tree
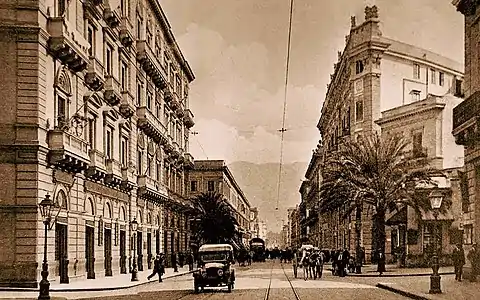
{"x": 215, "y": 220}
{"x": 373, "y": 171}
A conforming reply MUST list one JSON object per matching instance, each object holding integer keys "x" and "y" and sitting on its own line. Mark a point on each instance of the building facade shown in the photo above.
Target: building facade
{"x": 98, "y": 118}
{"x": 294, "y": 227}
{"x": 215, "y": 176}
{"x": 466, "y": 125}
{"x": 427, "y": 125}
{"x": 374, "y": 74}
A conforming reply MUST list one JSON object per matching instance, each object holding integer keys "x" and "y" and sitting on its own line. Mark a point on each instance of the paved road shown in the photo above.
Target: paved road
{"x": 252, "y": 283}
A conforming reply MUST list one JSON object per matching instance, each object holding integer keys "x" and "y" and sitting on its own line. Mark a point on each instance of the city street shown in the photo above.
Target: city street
{"x": 252, "y": 283}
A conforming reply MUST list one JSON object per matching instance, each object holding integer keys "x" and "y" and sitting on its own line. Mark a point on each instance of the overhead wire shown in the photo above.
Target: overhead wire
{"x": 282, "y": 131}
{"x": 194, "y": 134}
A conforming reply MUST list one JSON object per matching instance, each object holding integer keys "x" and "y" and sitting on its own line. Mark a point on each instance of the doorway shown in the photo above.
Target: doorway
{"x": 140, "y": 251}
{"x": 123, "y": 256}
{"x": 149, "y": 250}
{"x": 107, "y": 251}
{"x": 165, "y": 249}
{"x": 61, "y": 251}
{"x": 90, "y": 251}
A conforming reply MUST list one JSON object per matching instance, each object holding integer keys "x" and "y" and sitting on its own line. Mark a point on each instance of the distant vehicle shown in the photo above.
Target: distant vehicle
{"x": 215, "y": 270}
{"x": 257, "y": 246}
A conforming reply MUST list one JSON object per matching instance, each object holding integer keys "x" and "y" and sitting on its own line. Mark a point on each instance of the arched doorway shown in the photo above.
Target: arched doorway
{"x": 90, "y": 239}
{"x": 61, "y": 239}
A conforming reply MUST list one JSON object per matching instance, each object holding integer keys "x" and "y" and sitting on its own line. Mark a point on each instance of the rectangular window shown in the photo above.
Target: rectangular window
{"x": 159, "y": 171}
{"x": 108, "y": 59}
{"x": 108, "y": 143}
{"x": 149, "y": 100}
{"x": 124, "y": 7}
{"x": 91, "y": 133}
{"x": 139, "y": 28}
{"x": 441, "y": 78}
{"x": 359, "y": 111}
{"x": 158, "y": 109}
{"x": 91, "y": 40}
{"x": 61, "y": 110}
{"x": 124, "y": 76}
{"x": 193, "y": 186}
{"x": 433, "y": 76}
{"x": 358, "y": 67}
{"x": 124, "y": 151}
{"x": 178, "y": 86}
{"x": 416, "y": 71}
{"x": 139, "y": 162}
{"x": 149, "y": 165}
{"x": 467, "y": 234}
{"x": 139, "y": 94}
{"x": 464, "y": 191}
{"x": 415, "y": 95}
{"x": 210, "y": 186}
{"x": 61, "y": 5}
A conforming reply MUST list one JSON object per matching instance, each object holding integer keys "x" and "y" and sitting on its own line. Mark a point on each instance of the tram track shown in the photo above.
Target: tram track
{"x": 267, "y": 294}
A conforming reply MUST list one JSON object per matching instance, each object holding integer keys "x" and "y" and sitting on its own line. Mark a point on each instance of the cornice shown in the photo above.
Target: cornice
{"x": 414, "y": 111}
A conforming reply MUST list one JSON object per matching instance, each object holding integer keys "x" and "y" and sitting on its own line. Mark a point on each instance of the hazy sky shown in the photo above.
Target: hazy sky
{"x": 237, "y": 51}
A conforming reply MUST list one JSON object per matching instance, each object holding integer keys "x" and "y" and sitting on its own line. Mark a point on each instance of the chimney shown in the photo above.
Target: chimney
{"x": 353, "y": 21}
{"x": 371, "y": 13}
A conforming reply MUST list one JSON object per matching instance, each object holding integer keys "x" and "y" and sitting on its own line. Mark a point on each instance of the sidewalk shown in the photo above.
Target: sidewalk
{"x": 117, "y": 282}
{"x": 394, "y": 271}
{"x": 418, "y": 287}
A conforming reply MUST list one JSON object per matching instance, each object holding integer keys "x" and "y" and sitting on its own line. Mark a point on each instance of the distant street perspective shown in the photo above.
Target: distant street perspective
{"x": 227, "y": 149}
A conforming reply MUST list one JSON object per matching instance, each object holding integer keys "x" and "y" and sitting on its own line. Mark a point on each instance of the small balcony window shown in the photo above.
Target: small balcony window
{"x": 441, "y": 78}
{"x": 210, "y": 186}
{"x": 359, "y": 67}
{"x": 416, "y": 71}
{"x": 415, "y": 95}
{"x": 359, "y": 111}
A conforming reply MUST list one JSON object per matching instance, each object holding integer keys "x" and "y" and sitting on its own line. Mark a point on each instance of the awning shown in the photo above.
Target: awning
{"x": 442, "y": 216}
{"x": 398, "y": 217}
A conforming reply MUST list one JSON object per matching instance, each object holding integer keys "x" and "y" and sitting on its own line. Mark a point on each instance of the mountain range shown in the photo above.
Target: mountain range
{"x": 259, "y": 183}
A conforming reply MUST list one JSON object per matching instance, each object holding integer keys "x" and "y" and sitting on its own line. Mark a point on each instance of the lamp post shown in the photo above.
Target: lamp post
{"x": 133, "y": 226}
{"x": 46, "y": 209}
{"x": 436, "y": 203}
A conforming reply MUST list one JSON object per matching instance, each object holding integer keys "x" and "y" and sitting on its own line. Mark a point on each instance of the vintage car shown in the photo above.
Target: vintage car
{"x": 214, "y": 262}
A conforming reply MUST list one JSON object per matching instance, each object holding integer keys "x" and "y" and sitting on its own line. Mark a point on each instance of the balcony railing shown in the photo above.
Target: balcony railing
{"x": 114, "y": 172}
{"x": 466, "y": 110}
{"x": 150, "y": 124}
{"x": 111, "y": 16}
{"x": 127, "y": 107}
{"x": 94, "y": 77}
{"x": 68, "y": 151}
{"x": 189, "y": 161}
{"x": 112, "y": 91}
{"x": 188, "y": 118}
{"x": 67, "y": 44}
{"x": 150, "y": 64}
{"x": 96, "y": 169}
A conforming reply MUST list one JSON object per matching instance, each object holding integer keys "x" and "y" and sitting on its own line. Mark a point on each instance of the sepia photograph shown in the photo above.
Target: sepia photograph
{"x": 239, "y": 149}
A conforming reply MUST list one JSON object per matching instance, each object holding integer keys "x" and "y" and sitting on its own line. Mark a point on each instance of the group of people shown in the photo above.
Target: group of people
{"x": 311, "y": 261}
{"x": 458, "y": 257}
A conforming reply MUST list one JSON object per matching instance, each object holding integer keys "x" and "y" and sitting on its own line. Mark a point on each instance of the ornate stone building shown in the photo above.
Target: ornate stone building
{"x": 96, "y": 115}
{"x": 374, "y": 74}
{"x": 215, "y": 176}
{"x": 466, "y": 126}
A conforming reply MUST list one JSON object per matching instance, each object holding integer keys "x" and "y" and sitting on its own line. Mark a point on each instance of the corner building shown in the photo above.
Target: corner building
{"x": 372, "y": 75}
{"x": 96, "y": 115}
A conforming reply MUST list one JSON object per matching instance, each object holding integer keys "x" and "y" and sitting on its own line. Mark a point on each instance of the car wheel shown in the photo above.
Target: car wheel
{"x": 196, "y": 287}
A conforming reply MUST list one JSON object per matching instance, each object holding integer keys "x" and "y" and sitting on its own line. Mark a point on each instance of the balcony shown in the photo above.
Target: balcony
{"x": 112, "y": 91}
{"x": 180, "y": 112}
{"x": 189, "y": 162}
{"x": 94, "y": 77}
{"x": 96, "y": 169}
{"x": 114, "y": 173}
{"x": 111, "y": 16}
{"x": 175, "y": 102}
{"x": 67, "y": 151}
{"x": 466, "y": 121}
{"x": 169, "y": 145}
{"x": 150, "y": 64}
{"x": 92, "y": 9}
{"x": 127, "y": 108}
{"x": 175, "y": 153}
{"x": 152, "y": 127}
{"x": 188, "y": 118}
{"x": 128, "y": 179}
{"x": 126, "y": 35}
{"x": 67, "y": 44}
{"x": 150, "y": 189}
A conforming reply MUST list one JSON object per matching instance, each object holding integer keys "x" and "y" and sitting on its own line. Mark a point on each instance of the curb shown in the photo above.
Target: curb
{"x": 399, "y": 275}
{"x": 95, "y": 289}
{"x": 401, "y": 292}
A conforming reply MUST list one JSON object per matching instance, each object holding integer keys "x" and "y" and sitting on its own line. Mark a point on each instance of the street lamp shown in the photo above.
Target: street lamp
{"x": 435, "y": 202}
{"x": 46, "y": 209}
{"x": 133, "y": 226}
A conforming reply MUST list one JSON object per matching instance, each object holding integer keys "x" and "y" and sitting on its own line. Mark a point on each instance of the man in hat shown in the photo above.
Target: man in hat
{"x": 458, "y": 257}
{"x": 157, "y": 268}
{"x": 473, "y": 257}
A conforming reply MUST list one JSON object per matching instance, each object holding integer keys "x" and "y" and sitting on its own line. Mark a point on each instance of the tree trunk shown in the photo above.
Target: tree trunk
{"x": 358, "y": 230}
{"x": 380, "y": 228}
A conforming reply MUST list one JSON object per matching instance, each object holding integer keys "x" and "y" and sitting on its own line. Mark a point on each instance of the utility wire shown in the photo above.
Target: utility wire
{"x": 194, "y": 133}
{"x": 282, "y": 131}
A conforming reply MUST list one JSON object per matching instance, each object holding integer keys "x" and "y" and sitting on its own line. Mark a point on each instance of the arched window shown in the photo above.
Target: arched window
{"x": 89, "y": 207}
{"x": 108, "y": 211}
{"x": 123, "y": 214}
{"x": 62, "y": 199}
{"x": 140, "y": 217}
{"x": 149, "y": 218}
{"x": 157, "y": 221}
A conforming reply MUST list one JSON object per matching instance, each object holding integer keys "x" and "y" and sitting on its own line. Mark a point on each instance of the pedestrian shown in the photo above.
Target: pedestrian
{"x": 190, "y": 260}
{"x": 458, "y": 257}
{"x": 174, "y": 262}
{"x": 181, "y": 259}
{"x": 157, "y": 269}
{"x": 381, "y": 262}
{"x": 295, "y": 264}
{"x": 473, "y": 257}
